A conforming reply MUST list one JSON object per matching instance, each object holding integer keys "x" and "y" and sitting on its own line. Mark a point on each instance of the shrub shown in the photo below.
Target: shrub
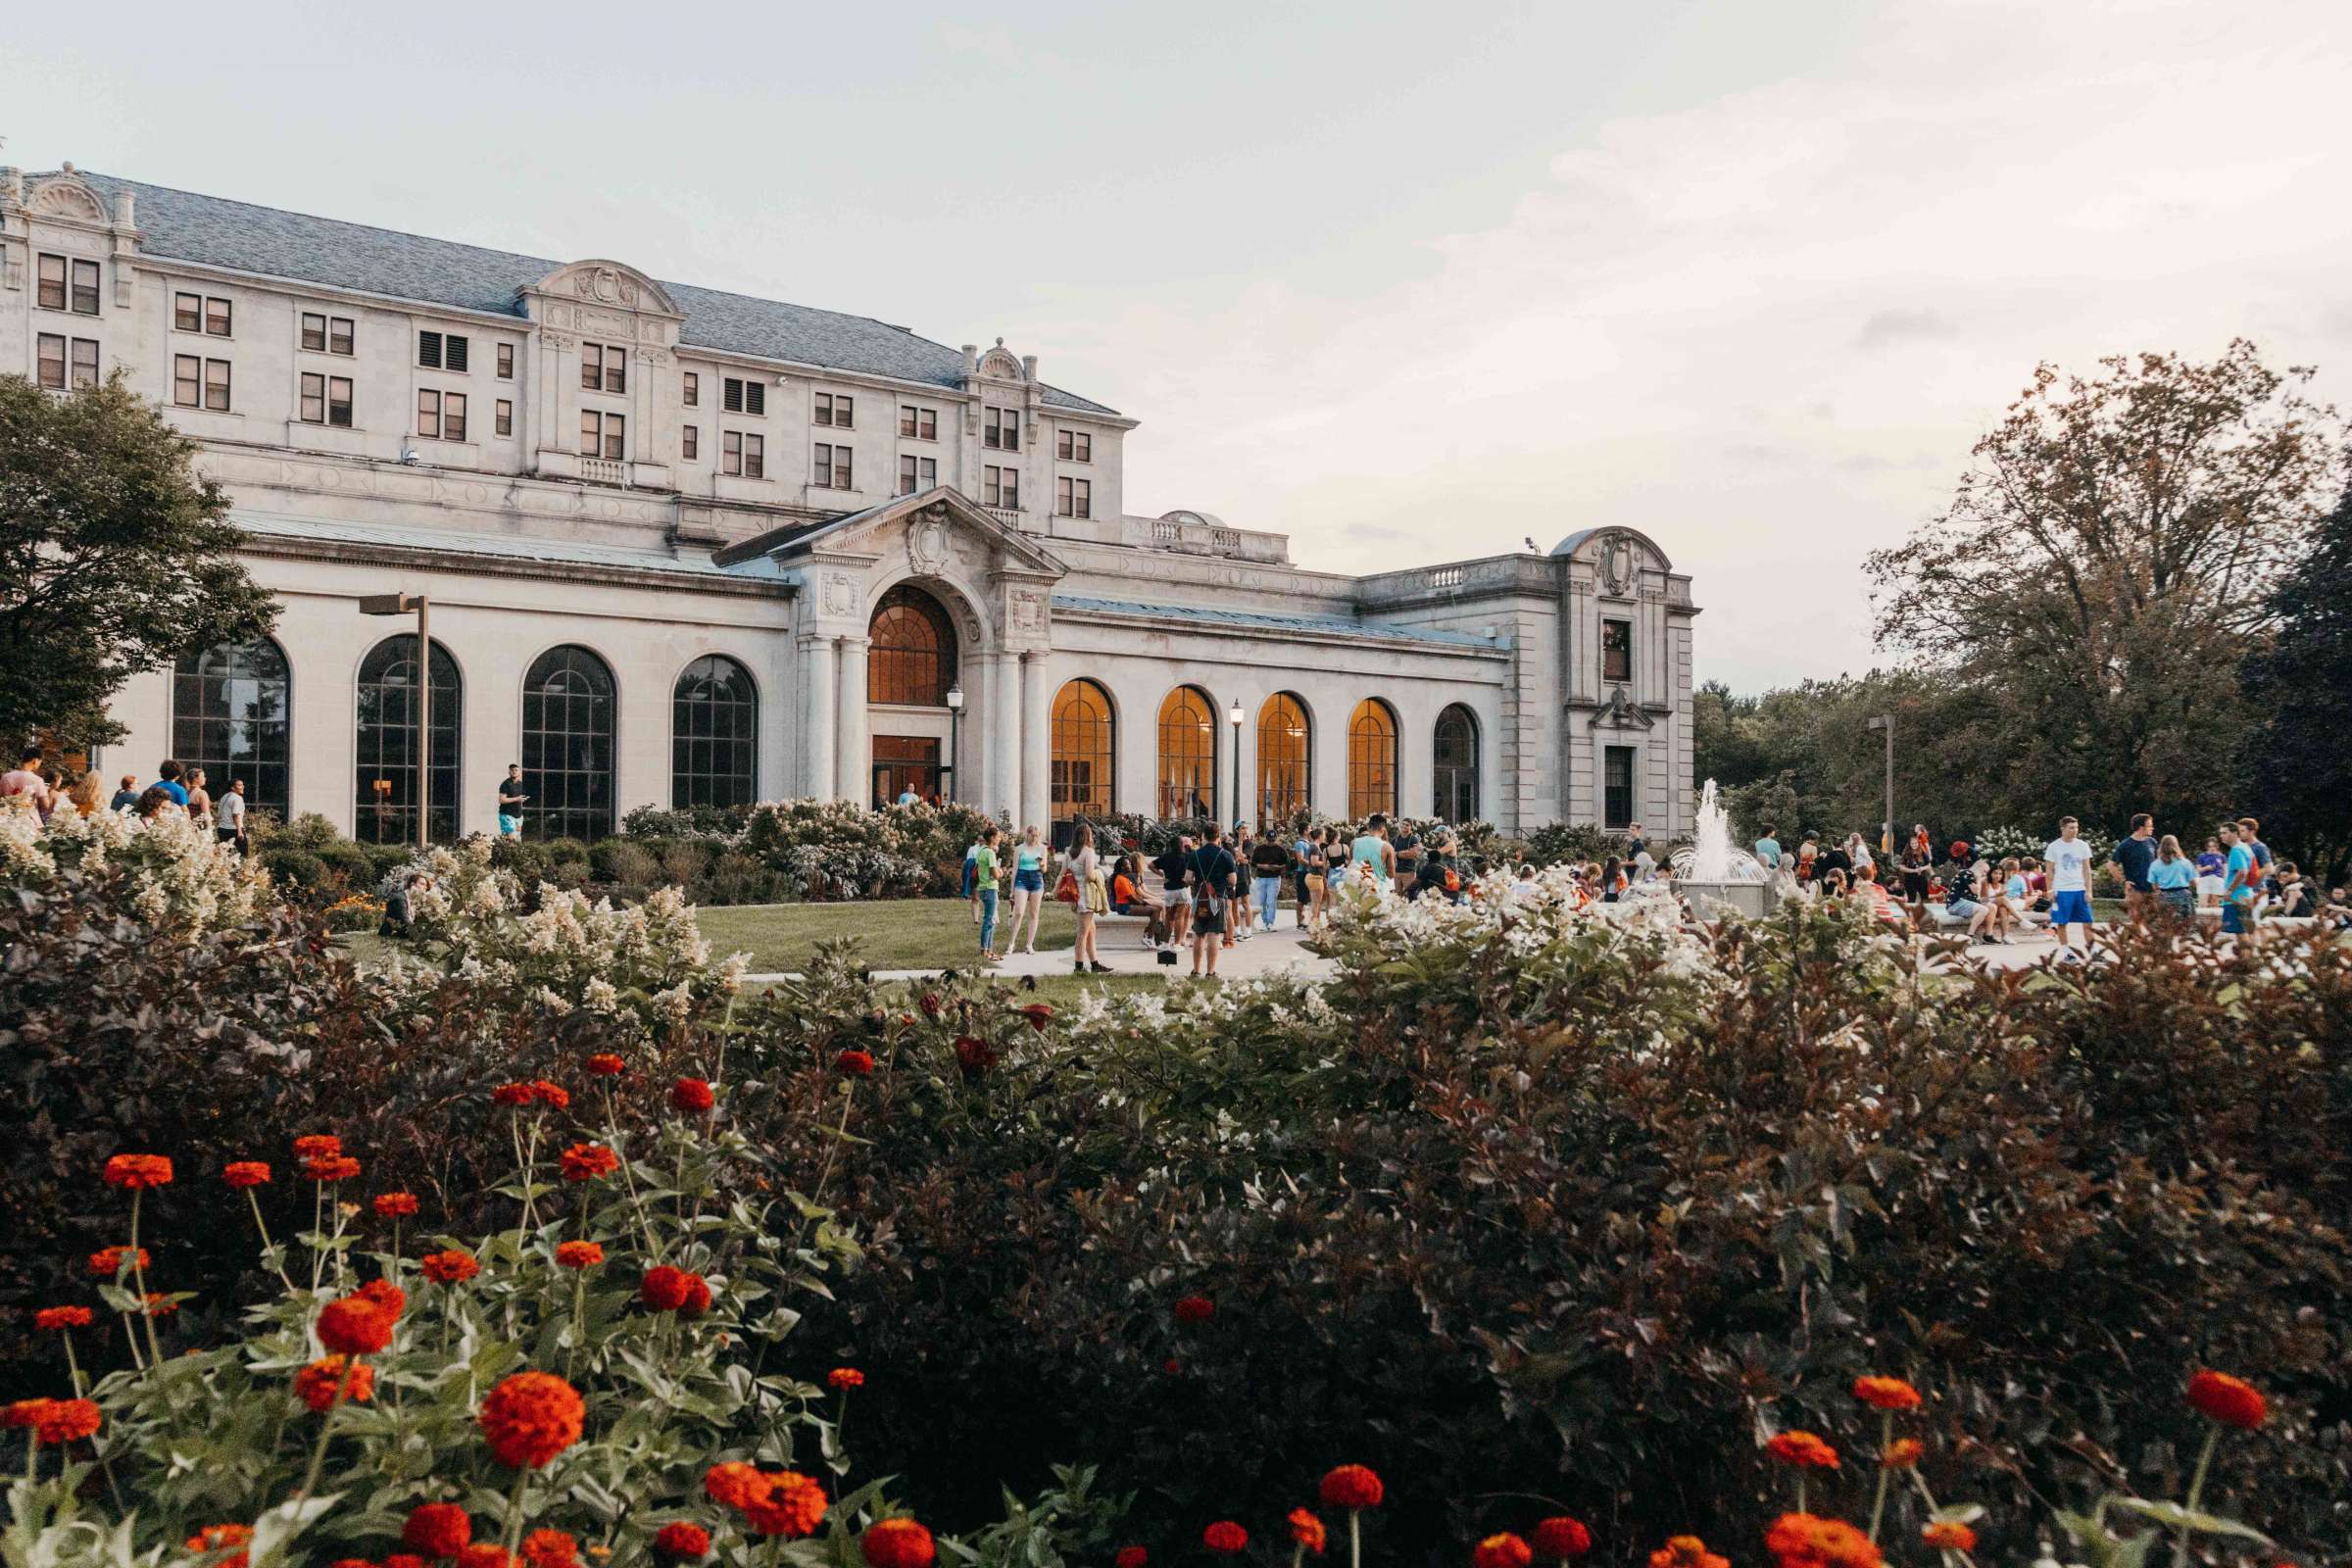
{"x": 631, "y": 865}
{"x": 177, "y": 874}
{"x": 1571, "y": 843}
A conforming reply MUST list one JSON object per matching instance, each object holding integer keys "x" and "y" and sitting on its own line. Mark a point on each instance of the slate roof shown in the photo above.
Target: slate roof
{"x": 1273, "y": 620}
{"x": 186, "y": 227}
{"x": 506, "y": 547}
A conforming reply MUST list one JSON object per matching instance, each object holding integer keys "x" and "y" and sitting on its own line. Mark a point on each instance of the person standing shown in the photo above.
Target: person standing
{"x": 1636, "y": 842}
{"x": 1093, "y": 900}
{"x": 2212, "y": 866}
{"x": 2241, "y": 880}
{"x": 1269, "y": 864}
{"x": 1404, "y": 857}
{"x": 1028, "y": 887}
{"x": 511, "y": 801}
{"x": 1768, "y": 850}
{"x": 1372, "y": 856}
{"x": 984, "y": 886}
{"x": 2250, "y": 833}
{"x": 167, "y": 779}
{"x": 1211, "y": 876}
{"x": 1301, "y": 850}
{"x": 1238, "y": 923}
{"x": 1918, "y": 855}
{"x": 2069, "y": 859}
{"x": 228, "y": 822}
{"x": 126, "y": 799}
{"x": 200, "y": 799}
{"x": 1316, "y": 878}
{"x": 2172, "y": 880}
{"x": 2133, "y": 854}
{"x": 23, "y": 783}
{"x": 83, "y": 796}
{"x": 1175, "y": 869}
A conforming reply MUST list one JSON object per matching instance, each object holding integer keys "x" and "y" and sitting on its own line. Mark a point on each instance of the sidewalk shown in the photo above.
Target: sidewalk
{"x": 1123, "y": 950}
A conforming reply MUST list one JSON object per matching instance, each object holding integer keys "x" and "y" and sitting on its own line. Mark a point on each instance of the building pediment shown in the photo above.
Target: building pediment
{"x": 612, "y": 285}
{"x": 1621, "y": 711}
{"x": 928, "y": 525}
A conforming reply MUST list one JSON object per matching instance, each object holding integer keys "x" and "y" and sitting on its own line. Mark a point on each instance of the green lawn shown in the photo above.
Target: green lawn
{"x": 892, "y": 934}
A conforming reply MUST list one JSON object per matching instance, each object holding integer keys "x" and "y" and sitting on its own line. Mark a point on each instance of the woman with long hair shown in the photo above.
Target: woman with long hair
{"x": 2174, "y": 877}
{"x": 200, "y": 799}
{"x": 1317, "y": 878}
{"x": 1093, "y": 899}
{"x": 88, "y": 790}
{"x": 1028, "y": 887}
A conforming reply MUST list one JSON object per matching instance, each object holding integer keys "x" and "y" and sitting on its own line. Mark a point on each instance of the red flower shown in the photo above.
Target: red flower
{"x": 485, "y": 1554}
{"x": 317, "y": 1145}
{"x": 245, "y": 1173}
{"x": 1198, "y": 1309}
{"x": 585, "y": 1162}
{"x": 403, "y": 1560}
{"x": 1686, "y": 1551}
{"x": 384, "y": 1294}
{"x": 846, "y": 1378}
{"x": 1506, "y": 1551}
{"x": 450, "y": 1267}
{"x": 736, "y": 1485}
{"x": 138, "y": 1172}
{"x": 1803, "y": 1451}
{"x": 929, "y": 1003}
{"x": 550, "y": 1548}
{"x": 62, "y": 1317}
{"x": 792, "y": 1507}
{"x": 1225, "y": 1537}
{"x": 359, "y": 1324}
{"x": 897, "y": 1543}
{"x": 604, "y": 1064}
{"x": 974, "y": 1054}
{"x": 1351, "y": 1486}
{"x": 56, "y": 1420}
{"x": 108, "y": 1260}
{"x": 1562, "y": 1537}
{"x": 579, "y": 1254}
{"x": 436, "y": 1529}
{"x": 220, "y": 1538}
{"x": 2232, "y": 1401}
{"x": 315, "y": 1385}
{"x": 1306, "y": 1531}
{"x": 1038, "y": 1016}
{"x": 855, "y": 1064}
{"x": 160, "y": 1304}
{"x": 1949, "y": 1535}
{"x": 548, "y": 1093}
{"x": 395, "y": 1205}
{"x": 510, "y": 1095}
{"x": 692, "y": 1096}
{"x": 1903, "y": 1453}
{"x": 698, "y": 1297}
{"x": 1132, "y": 1557}
{"x": 23, "y": 1413}
{"x": 1886, "y": 1394}
{"x": 330, "y": 1168}
{"x": 530, "y": 1418}
{"x": 1806, "y": 1541}
{"x": 670, "y": 1290}
{"x": 681, "y": 1542}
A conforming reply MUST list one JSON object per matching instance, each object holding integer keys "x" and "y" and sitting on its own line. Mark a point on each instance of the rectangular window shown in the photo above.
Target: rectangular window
{"x": 1000, "y": 487}
{"x": 85, "y": 361}
{"x": 502, "y": 417}
{"x": 918, "y": 424}
{"x": 1074, "y": 498}
{"x": 506, "y": 362}
{"x": 338, "y": 401}
{"x": 917, "y": 474}
{"x": 53, "y": 360}
{"x": 1001, "y": 430}
{"x": 314, "y": 331}
{"x": 216, "y": 385}
{"x": 730, "y": 451}
{"x": 605, "y": 435}
{"x": 452, "y": 352}
{"x": 52, "y": 291}
{"x": 616, "y": 370}
{"x": 326, "y": 400}
{"x": 428, "y": 350}
{"x": 85, "y": 288}
{"x": 744, "y": 455}
{"x": 453, "y": 417}
{"x": 338, "y": 335}
{"x": 428, "y": 414}
{"x": 1617, "y": 787}
{"x": 744, "y": 397}
{"x": 187, "y": 380}
{"x": 831, "y": 469}
{"x": 1074, "y": 446}
{"x": 693, "y": 384}
{"x": 690, "y": 442}
{"x": 617, "y": 446}
{"x": 592, "y": 433}
{"x": 1617, "y": 649}
{"x": 187, "y": 314}
{"x": 313, "y": 394}
{"x": 591, "y": 367}
{"x": 835, "y": 410}
{"x": 215, "y": 317}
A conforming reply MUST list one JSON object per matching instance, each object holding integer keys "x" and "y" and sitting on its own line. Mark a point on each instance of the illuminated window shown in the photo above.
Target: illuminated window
{"x": 1188, "y": 753}
{"x": 1285, "y": 771}
{"x": 1083, "y": 735}
{"x": 230, "y": 708}
{"x": 1371, "y": 759}
{"x": 913, "y": 662}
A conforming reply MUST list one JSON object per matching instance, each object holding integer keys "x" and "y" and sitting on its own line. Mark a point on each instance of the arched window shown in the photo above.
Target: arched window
{"x": 1456, "y": 752}
{"x": 715, "y": 735}
{"x": 384, "y": 802}
{"x": 1285, "y": 775}
{"x": 1371, "y": 759}
{"x": 1083, "y": 733}
{"x": 1188, "y": 753}
{"x": 230, "y": 716}
{"x": 567, "y": 724}
{"x": 913, "y": 663}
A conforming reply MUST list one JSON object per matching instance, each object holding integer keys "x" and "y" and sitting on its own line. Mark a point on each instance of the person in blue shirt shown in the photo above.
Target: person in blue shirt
{"x": 2069, "y": 860}
{"x": 167, "y": 780}
{"x": 2241, "y": 876}
{"x": 2172, "y": 876}
{"x": 1768, "y": 850}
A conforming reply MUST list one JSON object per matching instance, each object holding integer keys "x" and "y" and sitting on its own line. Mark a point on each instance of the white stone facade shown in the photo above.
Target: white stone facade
{"x": 312, "y": 361}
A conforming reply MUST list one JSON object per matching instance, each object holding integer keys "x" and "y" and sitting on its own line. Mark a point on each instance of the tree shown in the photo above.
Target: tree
{"x": 116, "y": 557}
{"x": 2106, "y": 564}
{"x": 2297, "y": 755}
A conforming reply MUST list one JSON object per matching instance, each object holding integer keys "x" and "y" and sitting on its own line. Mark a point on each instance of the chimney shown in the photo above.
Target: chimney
{"x": 972, "y": 359}
{"x": 1028, "y": 366}
{"x": 124, "y": 211}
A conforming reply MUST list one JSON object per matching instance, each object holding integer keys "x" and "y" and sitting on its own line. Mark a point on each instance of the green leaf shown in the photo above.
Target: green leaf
{"x": 2174, "y": 1516}
{"x": 281, "y": 1525}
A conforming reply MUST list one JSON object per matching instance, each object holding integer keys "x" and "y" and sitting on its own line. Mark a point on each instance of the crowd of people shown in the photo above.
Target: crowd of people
{"x": 39, "y": 785}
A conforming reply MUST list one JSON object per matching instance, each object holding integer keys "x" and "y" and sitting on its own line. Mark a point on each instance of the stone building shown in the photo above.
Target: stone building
{"x": 683, "y": 546}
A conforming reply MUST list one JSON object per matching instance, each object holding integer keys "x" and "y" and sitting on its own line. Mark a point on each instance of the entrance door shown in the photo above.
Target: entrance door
{"x": 903, "y": 762}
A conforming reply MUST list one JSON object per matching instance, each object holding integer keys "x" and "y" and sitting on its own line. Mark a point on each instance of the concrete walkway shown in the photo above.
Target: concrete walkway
{"x": 1121, "y": 945}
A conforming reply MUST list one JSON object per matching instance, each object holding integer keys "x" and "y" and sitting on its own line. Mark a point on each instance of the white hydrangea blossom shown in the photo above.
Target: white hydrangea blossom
{"x": 181, "y": 874}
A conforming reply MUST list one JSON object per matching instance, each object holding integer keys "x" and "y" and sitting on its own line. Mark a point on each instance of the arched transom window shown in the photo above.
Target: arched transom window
{"x": 1454, "y": 750}
{"x": 1285, "y": 746}
{"x": 715, "y": 735}
{"x": 230, "y": 716}
{"x": 913, "y": 663}
{"x": 1084, "y": 732}
{"x": 384, "y": 786}
{"x": 568, "y": 731}
{"x": 1188, "y": 753}
{"x": 1371, "y": 759}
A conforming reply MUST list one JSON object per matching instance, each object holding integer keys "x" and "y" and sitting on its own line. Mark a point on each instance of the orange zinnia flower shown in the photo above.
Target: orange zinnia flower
{"x": 853, "y": 1063}
{"x": 530, "y": 1418}
{"x": 330, "y": 1168}
{"x": 846, "y": 1378}
{"x": 897, "y": 1543}
{"x": 1351, "y": 1486}
{"x": 436, "y": 1529}
{"x": 1226, "y": 1538}
{"x": 579, "y": 1254}
{"x": 1132, "y": 1557}
{"x": 1803, "y": 1451}
{"x": 450, "y": 1267}
{"x": 1949, "y": 1535}
{"x": 1903, "y": 1453}
{"x": 1807, "y": 1540}
{"x": 315, "y": 1385}
{"x": 604, "y": 1064}
{"x": 1506, "y": 1551}
{"x": 245, "y": 1173}
{"x": 1686, "y": 1551}
{"x": 793, "y": 1506}
{"x": 1562, "y": 1537}
{"x": 62, "y": 1317}
{"x": 2232, "y": 1401}
{"x": 220, "y": 1538}
{"x": 1306, "y": 1531}
{"x": 317, "y": 1145}
{"x": 692, "y": 1096}
{"x": 359, "y": 1324}
{"x": 108, "y": 1260}
{"x": 585, "y": 1162}
{"x": 736, "y": 1485}
{"x": 138, "y": 1172}
{"x": 550, "y": 1548}
{"x": 681, "y": 1542}
{"x": 395, "y": 1205}
{"x": 1886, "y": 1394}
{"x": 1195, "y": 1309}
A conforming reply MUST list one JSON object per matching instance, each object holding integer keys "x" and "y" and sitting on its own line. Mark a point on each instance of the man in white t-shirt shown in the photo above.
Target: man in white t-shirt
{"x": 2069, "y": 859}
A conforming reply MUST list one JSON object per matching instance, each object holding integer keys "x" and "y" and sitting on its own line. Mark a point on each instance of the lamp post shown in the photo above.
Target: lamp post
{"x": 1235, "y": 715}
{"x": 1885, "y": 723}
{"x": 955, "y": 734}
{"x": 402, "y": 605}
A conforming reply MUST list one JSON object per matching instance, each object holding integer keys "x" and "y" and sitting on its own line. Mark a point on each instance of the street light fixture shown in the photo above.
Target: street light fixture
{"x": 402, "y": 605}
{"x": 1886, "y": 722}
{"x": 1235, "y": 715}
{"x": 955, "y": 734}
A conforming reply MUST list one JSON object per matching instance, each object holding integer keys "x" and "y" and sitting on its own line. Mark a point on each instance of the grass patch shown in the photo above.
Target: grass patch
{"x": 892, "y": 934}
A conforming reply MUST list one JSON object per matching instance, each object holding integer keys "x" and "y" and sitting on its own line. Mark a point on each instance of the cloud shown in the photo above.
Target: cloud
{"x": 1708, "y": 322}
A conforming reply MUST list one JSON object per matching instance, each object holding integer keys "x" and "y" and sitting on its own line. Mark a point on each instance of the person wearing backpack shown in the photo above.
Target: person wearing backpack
{"x": 1212, "y": 872}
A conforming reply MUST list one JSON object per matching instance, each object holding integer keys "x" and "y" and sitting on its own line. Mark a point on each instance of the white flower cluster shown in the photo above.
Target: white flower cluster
{"x": 1531, "y": 922}
{"x": 180, "y": 873}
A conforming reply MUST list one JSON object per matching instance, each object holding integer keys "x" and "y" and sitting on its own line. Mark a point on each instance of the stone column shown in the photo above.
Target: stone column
{"x": 855, "y": 779}
{"x": 817, "y": 716}
{"x": 1037, "y": 737}
{"x": 998, "y": 736}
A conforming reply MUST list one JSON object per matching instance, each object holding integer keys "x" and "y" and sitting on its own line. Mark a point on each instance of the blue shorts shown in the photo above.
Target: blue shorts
{"x": 509, "y": 827}
{"x": 1031, "y": 880}
{"x": 2070, "y": 909}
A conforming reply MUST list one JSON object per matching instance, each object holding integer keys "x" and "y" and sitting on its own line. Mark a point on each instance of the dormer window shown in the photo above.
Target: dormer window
{"x": 1001, "y": 429}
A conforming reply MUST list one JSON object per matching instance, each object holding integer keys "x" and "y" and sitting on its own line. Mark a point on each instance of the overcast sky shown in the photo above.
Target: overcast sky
{"x": 1406, "y": 281}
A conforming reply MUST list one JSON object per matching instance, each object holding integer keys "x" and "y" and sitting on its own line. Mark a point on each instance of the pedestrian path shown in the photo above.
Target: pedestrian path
{"x": 1280, "y": 951}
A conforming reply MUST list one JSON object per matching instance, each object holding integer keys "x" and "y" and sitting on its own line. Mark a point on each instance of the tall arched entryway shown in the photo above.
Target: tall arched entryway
{"x": 1084, "y": 737}
{"x": 912, "y": 696}
{"x": 1454, "y": 753}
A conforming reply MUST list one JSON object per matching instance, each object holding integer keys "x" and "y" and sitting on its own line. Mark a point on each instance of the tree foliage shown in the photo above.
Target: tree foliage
{"x": 2107, "y": 563}
{"x": 2299, "y": 687}
{"x": 117, "y": 556}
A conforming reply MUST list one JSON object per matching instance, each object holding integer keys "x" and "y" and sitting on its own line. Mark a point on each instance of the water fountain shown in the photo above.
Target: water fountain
{"x": 1715, "y": 874}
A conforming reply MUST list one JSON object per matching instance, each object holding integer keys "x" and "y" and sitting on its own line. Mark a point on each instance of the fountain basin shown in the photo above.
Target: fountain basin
{"x": 1709, "y": 900}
